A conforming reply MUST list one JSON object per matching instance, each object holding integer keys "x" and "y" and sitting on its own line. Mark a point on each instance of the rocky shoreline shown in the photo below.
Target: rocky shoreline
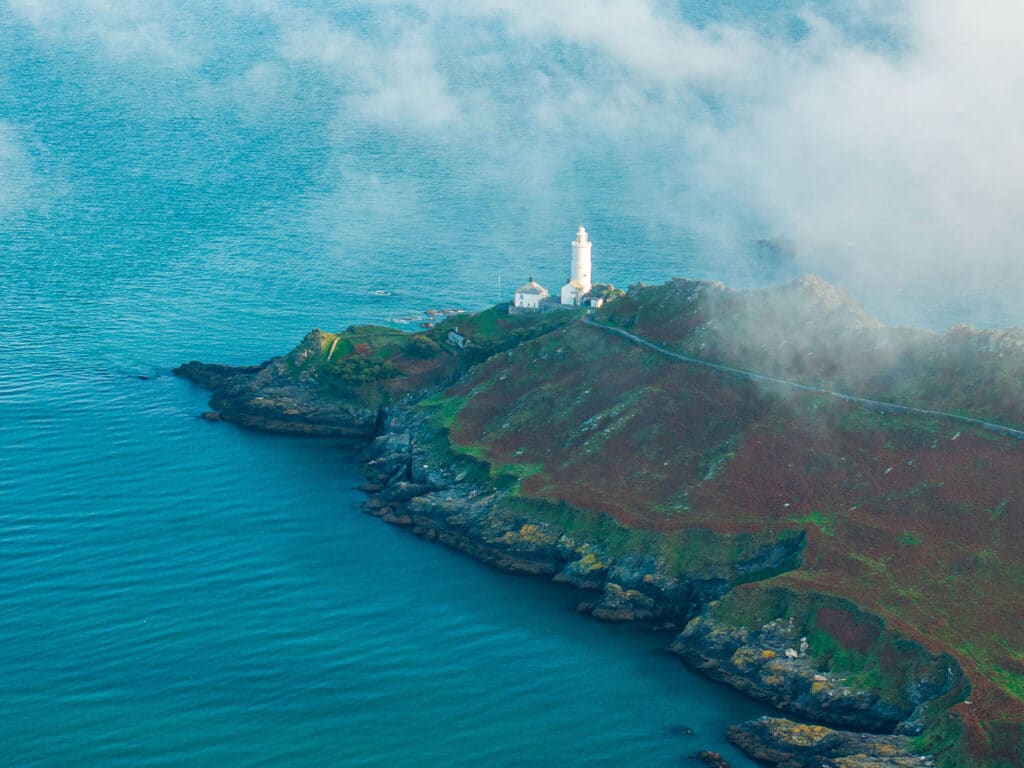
{"x": 407, "y": 486}
{"x": 270, "y": 398}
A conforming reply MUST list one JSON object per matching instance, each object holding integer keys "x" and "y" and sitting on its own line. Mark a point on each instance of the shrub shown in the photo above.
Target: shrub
{"x": 363, "y": 370}
{"x": 422, "y": 346}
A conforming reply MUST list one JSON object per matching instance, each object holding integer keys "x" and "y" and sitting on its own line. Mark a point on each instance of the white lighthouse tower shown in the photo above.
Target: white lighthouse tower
{"x": 579, "y": 284}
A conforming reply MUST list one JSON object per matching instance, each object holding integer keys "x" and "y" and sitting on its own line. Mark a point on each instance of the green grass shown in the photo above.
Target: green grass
{"x": 494, "y": 330}
{"x": 445, "y": 409}
{"x": 943, "y": 738}
{"x": 824, "y": 521}
{"x": 712, "y": 461}
{"x": 997, "y": 511}
{"x": 909, "y": 539}
{"x": 1011, "y": 682}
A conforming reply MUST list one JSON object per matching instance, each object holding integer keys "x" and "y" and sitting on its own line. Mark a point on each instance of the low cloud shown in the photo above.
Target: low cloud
{"x": 389, "y": 78}
{"x": 892, "y": 155}
{"x": 18, "y": 182}
{"x": 885, "y": 146}
{"x": 882, "y": 139}
{"x": 154, "y": 32}
{"x": 902, "y": 163}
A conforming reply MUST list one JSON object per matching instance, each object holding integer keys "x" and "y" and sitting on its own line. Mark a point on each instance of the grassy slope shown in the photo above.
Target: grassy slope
{"x": 370, "y": 365}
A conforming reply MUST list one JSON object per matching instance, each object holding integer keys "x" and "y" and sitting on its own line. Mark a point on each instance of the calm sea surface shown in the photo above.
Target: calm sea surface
{"x": 212, "y": 183}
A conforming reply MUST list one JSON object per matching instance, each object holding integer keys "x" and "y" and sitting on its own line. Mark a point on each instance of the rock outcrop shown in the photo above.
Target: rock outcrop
{"x": 786, "y": 744}
{"x": 270, "y": 397}
{"x": 712, "y": 759}
{"x": 769, "y": 665}
{"x": 211, "y": 375}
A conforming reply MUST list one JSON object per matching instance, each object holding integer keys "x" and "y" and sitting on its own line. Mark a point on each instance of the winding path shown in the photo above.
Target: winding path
{"x": 751, "y": 376}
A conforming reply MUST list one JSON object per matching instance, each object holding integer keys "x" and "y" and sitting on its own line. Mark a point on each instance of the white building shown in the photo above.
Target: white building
{"x": 456, "y": 339}
{"x": 579, "y": 284}
{"x": 530, "y": 296}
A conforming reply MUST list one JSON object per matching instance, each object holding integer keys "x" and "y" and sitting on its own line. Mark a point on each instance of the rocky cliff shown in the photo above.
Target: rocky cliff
{"x": 273, "y": 397}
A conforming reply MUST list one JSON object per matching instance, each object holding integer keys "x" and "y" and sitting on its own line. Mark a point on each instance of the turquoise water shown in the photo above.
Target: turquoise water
{"x": 176, "y": 593}
{"x": 181, "y": 182}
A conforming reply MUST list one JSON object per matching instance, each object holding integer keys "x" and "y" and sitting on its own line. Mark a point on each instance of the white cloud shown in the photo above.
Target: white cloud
{"x": 152, "y": 32}
{"x": 391, "y": 80}
{"x": 914, "y": 158}
{"x": 889, "y": 155}
{"x": 883, "y": 138}
{"x": 17, "y": 177}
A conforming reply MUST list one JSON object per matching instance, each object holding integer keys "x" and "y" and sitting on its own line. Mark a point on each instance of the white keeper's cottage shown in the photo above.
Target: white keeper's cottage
{"x": 530, "y": 295}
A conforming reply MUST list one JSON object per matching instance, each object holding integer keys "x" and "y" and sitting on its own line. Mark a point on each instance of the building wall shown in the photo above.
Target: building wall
{"x": 570, "y": 294}
{"x": 528, "y": 300}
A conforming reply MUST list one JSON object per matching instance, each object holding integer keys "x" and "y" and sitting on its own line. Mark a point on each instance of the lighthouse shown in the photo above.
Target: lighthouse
{"x": 579, "y": 284}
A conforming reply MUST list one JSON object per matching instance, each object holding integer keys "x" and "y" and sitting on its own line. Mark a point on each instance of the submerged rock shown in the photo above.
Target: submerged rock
{"x": 620, "y": 604}
{"x": 712, "y": 759}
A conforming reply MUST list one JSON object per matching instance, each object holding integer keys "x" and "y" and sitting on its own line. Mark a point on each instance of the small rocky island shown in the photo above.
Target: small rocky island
{"x": 821, "y": 511}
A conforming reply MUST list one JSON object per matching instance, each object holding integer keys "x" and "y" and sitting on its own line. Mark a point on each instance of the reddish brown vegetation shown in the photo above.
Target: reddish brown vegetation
{"x": 812, "y": 332}
{"x": 917, "y": 521}
{"x": 853, "y": 633}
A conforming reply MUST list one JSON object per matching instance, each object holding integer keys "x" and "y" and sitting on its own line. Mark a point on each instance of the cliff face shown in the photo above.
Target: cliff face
{"x": 750, "y": 520}
{"x": 411, "y": 485}
{"x": 776, "y": 663}
{"x": 443, "y": 503}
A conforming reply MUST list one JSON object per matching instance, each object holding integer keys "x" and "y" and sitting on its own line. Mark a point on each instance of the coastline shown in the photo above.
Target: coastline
{"x": 695, "y": 470}
{"x": 407, "y": 486}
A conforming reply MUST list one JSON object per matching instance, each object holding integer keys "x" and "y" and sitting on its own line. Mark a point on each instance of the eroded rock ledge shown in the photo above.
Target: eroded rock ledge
{"x": 771, "y": 664}
{"x": 270, "y": 397}
{"x": 787, "y": 744}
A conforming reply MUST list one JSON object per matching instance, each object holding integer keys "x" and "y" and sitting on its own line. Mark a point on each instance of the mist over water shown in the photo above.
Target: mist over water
{"x": 182, "y": 182}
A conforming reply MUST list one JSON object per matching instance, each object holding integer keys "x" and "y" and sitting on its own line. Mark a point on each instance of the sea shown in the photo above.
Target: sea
{"x": 211, "y": 181}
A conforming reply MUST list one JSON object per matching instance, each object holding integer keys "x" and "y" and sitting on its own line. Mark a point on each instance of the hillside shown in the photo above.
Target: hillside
{"x": 754, "y": 514}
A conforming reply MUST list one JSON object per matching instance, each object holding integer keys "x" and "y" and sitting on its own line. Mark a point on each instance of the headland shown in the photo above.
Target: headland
{"x": 819, "y": 510}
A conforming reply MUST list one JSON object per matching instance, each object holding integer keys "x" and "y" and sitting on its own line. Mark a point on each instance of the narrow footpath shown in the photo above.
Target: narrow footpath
{"x": 757, "y": 377}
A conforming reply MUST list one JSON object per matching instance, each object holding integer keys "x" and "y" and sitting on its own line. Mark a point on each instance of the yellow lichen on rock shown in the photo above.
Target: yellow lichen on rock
{"x": 804, "y": 735}
{"x": 589, "y": 562}
{"x": 744, "y": 657}
{"x": 773, "y": 674}
{"x": 528, "y": 533}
